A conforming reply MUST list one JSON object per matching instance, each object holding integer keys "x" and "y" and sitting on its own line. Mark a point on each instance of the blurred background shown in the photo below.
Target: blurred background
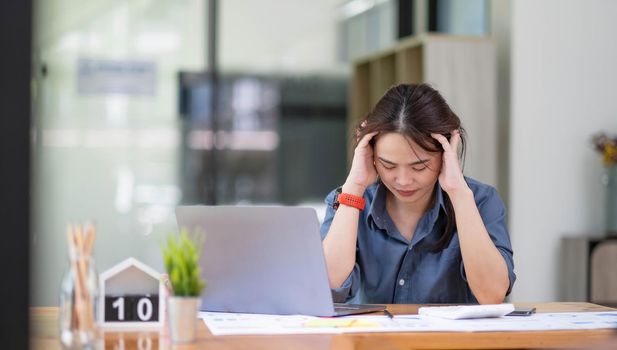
{"x": 142, "y": 105}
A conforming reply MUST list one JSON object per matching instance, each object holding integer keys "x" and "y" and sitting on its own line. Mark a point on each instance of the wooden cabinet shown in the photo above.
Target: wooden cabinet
{"x": 463, "y": 69}
{"x": 589, "y": 270}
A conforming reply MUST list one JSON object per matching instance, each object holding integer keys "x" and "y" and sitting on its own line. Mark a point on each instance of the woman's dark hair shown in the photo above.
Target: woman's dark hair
{"x": 416, "y": 111}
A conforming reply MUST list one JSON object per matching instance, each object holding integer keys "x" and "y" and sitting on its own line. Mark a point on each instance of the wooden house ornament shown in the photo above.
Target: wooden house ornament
{"x": 130, "y": 296}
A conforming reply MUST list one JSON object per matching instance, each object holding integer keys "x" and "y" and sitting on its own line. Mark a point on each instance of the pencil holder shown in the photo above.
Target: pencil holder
{"x": 79, "y": 295}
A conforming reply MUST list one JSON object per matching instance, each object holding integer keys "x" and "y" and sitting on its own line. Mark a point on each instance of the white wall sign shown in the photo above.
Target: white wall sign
{"x": 116, "y": 77}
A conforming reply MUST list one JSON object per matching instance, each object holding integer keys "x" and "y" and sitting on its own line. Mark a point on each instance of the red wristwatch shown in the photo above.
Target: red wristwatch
{"x": 348, "y": 199}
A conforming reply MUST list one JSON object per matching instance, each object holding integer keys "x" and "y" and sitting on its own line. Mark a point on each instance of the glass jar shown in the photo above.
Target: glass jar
{"x": 78, "y": 304}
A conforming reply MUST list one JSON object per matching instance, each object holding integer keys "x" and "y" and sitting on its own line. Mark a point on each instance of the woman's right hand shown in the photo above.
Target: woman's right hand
{"x": 363, "y": 172}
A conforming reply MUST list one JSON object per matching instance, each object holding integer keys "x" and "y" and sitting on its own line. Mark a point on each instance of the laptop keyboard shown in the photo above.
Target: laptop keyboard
{"x": 348, "y": 306}
{"x": 352, "y": 309}
{"x": 345, "y": 308}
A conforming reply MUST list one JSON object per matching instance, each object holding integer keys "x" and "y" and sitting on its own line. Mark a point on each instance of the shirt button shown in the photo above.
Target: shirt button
{"x": 401, "y": 282}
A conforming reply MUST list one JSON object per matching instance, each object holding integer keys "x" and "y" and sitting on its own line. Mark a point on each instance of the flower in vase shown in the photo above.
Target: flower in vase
{"x": 607, "y": 146}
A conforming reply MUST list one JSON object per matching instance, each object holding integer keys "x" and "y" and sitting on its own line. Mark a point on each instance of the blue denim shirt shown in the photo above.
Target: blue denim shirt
{"x": 389, "y": 269}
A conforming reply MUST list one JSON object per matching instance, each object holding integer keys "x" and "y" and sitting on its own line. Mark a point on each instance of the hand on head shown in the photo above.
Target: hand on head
{"x": 451, "y": 176}
{"x": 363, "y": 172}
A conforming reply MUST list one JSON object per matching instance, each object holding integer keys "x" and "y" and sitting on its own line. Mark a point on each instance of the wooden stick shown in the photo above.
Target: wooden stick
{"x": 89, "y": 239}
{"x": 80, "y": 244}
{"x": 83, "y": 277}
{"x": 77, "y": 304}
{"x": 71, "y": 248}
{"x": 90, "y": 233}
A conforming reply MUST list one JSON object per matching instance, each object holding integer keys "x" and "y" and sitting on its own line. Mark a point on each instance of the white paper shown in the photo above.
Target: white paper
{"x": 220, "y": 323}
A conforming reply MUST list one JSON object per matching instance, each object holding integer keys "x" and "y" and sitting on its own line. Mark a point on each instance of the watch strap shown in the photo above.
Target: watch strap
{"x": 349, "y": 200}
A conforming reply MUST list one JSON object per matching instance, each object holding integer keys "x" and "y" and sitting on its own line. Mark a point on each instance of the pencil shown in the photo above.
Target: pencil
{"x": 390, "y": 316}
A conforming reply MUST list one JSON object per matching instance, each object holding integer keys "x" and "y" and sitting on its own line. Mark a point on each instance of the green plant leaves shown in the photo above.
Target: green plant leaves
{"x": 181, "y": 259}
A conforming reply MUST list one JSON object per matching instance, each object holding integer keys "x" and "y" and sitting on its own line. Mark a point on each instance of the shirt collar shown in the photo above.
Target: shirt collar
{"x": 378, "y": 214}
{"x": 439, "y": 204}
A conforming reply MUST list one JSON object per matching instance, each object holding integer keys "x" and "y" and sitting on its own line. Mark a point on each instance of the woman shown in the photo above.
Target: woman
{"x": 425, "y": 233}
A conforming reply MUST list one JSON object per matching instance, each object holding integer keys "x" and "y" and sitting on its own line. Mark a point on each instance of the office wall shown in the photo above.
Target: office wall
{"x": 563, "y": 75}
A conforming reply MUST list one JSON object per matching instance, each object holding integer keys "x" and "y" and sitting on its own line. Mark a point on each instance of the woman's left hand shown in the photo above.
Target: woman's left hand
{"x": 451, "y": 176}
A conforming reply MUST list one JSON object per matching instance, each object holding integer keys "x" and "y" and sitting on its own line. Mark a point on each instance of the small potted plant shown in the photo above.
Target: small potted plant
{"x": 181, "y": 257}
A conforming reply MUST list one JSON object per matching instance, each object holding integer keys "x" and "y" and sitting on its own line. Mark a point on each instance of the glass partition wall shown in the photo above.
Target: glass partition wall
{"x": 123, "y": 123}
{"x": 107, "y": 133}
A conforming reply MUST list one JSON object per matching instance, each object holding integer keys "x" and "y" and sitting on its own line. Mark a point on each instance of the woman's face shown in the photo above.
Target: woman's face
{"x": 407, "y": 170}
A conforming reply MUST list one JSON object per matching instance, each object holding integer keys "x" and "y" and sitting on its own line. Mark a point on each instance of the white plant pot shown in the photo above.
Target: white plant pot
{"x": 183, "y": 318}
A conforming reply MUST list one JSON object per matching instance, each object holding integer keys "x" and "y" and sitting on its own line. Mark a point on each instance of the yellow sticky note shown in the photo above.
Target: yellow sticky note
{"x": 363, "y": 323}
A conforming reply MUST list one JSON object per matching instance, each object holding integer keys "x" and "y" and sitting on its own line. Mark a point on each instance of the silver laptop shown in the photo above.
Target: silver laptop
{"x": 265, "y": 260}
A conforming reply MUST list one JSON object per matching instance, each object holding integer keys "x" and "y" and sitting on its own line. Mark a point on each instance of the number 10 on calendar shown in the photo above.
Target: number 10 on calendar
{"x": 133, "y": 308}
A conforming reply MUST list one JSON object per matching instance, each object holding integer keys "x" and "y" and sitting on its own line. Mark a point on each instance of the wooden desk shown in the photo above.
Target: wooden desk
{"x": 44, "y": 335}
